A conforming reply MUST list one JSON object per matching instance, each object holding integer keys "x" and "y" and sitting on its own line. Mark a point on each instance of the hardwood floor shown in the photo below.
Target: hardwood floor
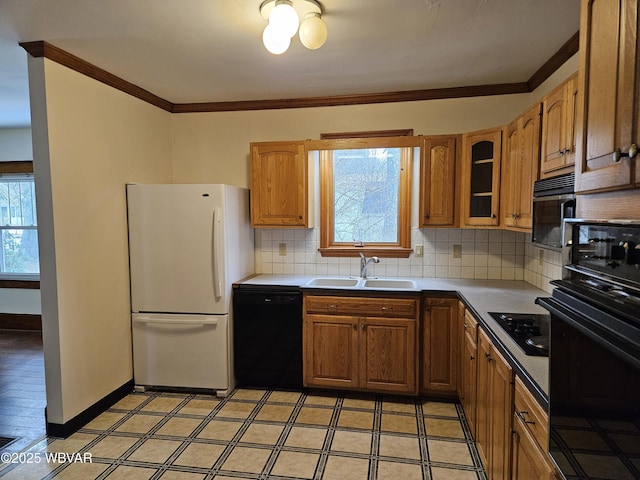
{"x": 22, "y": 388}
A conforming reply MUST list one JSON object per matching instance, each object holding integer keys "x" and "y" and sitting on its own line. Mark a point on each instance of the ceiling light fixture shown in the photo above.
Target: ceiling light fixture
{"x": 284, "y": 21}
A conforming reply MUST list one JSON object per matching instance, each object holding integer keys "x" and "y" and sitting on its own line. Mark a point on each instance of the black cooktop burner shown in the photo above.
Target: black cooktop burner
{"x": 529, "y": 330}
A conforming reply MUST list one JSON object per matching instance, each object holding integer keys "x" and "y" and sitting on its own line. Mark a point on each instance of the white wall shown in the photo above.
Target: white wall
{"x": 20, "y": 300}
{"x": 15, "y": 144}
{"x": 89, "y": 140}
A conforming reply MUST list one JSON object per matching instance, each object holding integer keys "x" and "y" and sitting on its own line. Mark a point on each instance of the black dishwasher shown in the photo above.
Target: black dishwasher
{"x": 267, "y": 336}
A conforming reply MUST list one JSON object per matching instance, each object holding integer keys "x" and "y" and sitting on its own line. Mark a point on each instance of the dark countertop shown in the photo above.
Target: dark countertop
{"x": 480, "y": 296}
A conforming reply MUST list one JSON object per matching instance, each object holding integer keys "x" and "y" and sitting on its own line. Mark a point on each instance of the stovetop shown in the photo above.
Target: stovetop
{"x": 529, "y": 330}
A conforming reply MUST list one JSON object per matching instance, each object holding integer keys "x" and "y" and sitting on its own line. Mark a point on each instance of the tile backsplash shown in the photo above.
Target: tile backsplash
{"x": 447, "y": 253}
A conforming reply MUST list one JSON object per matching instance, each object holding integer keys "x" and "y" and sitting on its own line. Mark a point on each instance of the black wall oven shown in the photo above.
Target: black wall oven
{"x": 594, "y": 359}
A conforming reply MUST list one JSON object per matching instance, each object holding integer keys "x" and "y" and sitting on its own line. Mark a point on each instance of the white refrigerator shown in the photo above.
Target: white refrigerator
{"x": 187, "y": 245}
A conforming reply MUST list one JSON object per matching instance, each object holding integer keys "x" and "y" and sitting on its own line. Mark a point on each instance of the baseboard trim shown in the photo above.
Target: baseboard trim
{"x": 66, "y": 429}
{"x": 21, "y": 321}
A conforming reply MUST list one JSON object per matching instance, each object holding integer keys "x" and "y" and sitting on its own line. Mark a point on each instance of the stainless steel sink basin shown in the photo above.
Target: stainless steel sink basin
{"x": 333, "y": 282}
{"x": 389, "y": 283}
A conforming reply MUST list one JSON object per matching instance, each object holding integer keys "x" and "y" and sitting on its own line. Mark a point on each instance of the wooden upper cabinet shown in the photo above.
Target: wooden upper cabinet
{"x": 523, "y": 159}
{"x": 608, "y": 88}
{"x": 438, "y": 178}
{"x": 279, "y": 193}
{"x": 558, "y": 129}
{"x": 509, "y": 176}
{"x": 481, "y": 178}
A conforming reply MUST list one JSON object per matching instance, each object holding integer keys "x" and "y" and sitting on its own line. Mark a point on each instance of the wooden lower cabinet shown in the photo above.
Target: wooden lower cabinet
{"x": 530, "y": 460}
{"x": 361, "y": 343}
{"x": 331, "y": 351}
{"x": 494, "y": 409}
{"x": 469, "y": 369}
{"x": 439, "y": 346}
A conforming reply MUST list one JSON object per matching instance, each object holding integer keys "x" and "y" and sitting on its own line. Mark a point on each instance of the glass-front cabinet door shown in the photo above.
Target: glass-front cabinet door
{"x": 481, "y": 177}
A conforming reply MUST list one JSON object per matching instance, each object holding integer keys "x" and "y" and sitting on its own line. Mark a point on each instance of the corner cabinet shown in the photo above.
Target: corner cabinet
{"x": 438, "y": 182}
{"x": 520, "y": 170}
{"x": 361, "y": 343}
{"x": 279, "y": 186}
{"x": 439, "y": 346}
{"x": 609, "y": 92}
{"x": 481, "y": 178}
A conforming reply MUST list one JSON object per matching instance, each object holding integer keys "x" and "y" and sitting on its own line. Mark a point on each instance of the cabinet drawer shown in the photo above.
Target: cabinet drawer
{"x": 470, "y": 326}
{"x": 532, "y": 414}
{"x": 361, "y": 306}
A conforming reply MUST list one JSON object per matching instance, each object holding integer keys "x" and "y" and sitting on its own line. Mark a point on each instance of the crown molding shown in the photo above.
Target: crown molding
{"x": 44, "y": 49}
{"x": 568, "y": 50}
{"x": 58, "y": 55}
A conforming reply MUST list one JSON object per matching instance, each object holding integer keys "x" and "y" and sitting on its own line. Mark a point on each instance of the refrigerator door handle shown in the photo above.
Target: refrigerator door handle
{"x": 217, "y": 286}
{"x": 169, "y": 321}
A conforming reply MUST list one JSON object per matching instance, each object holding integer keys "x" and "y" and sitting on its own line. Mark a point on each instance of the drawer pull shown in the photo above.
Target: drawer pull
{"x": 386, "y": 309}
{"x": 332, "y": 306}
{"x": 523, "y": 418}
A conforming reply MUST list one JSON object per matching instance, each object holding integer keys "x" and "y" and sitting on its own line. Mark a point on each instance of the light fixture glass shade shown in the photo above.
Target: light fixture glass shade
{"x": 284, "y": 18}
{"x": 313, "y": 31}
{"x": 274, "y": 41}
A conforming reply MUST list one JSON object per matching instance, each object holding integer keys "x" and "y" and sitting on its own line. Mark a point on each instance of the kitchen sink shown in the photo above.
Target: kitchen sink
{"x": 333, "y": 282}
{"x": 389, "y": 283}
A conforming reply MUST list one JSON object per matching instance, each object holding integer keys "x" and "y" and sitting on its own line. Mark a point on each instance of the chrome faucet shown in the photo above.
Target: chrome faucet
{"x": 364, "y": 264}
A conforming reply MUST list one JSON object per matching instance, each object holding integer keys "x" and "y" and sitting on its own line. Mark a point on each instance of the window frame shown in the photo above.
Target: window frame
{"x": 400, "y": 249}
{"x": 18, "y": 280}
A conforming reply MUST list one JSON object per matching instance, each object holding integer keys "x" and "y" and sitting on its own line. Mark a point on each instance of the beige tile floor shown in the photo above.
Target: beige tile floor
{"x": 260, "y": 434}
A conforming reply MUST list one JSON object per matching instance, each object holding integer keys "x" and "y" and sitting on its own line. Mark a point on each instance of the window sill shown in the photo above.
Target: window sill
{"x": 382, "y": 252}
{"x": 31, "y": 283}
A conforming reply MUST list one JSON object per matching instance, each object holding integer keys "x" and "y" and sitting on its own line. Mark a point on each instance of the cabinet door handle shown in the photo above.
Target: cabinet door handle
{"x": 426, "y": 215}
{"x": 299, "y": 217}
{"x": 488, "y": 356}
{"x": 619, "y": 155}
{"x": 522, "y": 417}
{"x": 471, "y": 357}
{"x": 355, "y": 326}
{"x": 466, "y": 325}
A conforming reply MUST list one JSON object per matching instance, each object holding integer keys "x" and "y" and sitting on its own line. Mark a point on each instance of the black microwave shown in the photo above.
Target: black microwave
{"x": 553, "y": 201}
